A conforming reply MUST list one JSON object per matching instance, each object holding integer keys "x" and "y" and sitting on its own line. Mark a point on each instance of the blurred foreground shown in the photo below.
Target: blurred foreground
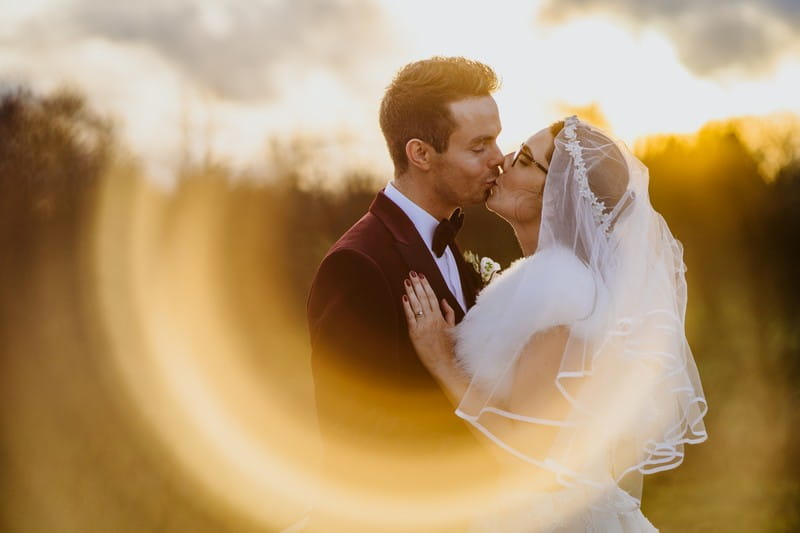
{"x": 155, "y": 373}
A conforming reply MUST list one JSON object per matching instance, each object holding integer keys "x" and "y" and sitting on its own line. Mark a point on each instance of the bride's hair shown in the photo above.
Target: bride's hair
{"x": 556, "y": 127}
{"x": 415, "y": 105}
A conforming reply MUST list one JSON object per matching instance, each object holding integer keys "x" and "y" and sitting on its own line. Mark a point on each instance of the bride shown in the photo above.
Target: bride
{"x": 573, "y": 363}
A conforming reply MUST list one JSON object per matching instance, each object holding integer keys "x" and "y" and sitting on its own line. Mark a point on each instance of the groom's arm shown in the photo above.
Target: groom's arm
{"x": 354, "y": 341}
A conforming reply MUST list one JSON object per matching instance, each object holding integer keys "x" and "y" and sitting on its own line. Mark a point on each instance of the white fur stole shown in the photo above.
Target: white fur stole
{"x": 550, "y": 288}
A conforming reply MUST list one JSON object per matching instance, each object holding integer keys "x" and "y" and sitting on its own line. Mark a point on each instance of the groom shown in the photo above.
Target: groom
{"x": 386, "y": 425}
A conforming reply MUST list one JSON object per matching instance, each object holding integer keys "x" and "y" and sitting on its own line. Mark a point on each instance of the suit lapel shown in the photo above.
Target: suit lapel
{"x": 418, "y": 262}
{"x": 414, "y": 250}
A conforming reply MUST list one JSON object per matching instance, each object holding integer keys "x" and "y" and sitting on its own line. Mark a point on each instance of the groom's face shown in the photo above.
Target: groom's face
{"x": 465, "y": 172}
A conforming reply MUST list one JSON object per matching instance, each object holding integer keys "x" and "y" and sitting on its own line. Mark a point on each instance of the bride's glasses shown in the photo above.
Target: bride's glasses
{"x": 525, "y": 156}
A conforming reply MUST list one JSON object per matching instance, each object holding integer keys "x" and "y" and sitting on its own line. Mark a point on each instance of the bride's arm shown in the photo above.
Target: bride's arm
{"x": 533, "y": 387}
{"x": 430, "y": 331}
{"x": 534, "y": 390}
{"x": 534, "y": 394}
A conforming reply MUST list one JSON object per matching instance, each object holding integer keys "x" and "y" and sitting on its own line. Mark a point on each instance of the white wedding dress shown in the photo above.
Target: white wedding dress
{"x": 535, "y": 293}
{"x": 608, "y": 272}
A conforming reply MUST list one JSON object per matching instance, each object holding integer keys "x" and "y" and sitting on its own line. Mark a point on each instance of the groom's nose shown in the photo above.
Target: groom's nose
{"x": 496, "y": 159}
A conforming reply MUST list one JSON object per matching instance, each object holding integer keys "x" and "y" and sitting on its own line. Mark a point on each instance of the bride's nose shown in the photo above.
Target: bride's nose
{"x": 507, "y": 161}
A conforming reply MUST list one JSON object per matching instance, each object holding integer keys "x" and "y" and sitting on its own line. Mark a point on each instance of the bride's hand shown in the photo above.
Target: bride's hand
{"x": 428, "y": 328}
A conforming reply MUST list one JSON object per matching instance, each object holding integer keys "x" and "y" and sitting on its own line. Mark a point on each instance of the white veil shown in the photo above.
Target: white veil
{"x": 623, "y": 395}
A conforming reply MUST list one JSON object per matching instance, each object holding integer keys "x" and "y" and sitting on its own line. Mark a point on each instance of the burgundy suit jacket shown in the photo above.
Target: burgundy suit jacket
{"x": 386, "y": 424}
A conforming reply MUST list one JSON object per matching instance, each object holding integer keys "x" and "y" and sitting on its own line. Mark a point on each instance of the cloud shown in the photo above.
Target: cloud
{"x": 710, "y": 36}
{"x": 237, "y": 49}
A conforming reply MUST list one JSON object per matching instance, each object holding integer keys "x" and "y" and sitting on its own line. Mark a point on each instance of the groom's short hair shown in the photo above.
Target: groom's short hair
{"x": 415, "y": 105}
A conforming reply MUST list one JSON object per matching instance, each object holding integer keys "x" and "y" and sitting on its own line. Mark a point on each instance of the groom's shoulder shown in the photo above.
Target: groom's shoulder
{"x": 368, "y": 236}
{"x": 366, "y": 250}
{"x": 359, "y": 254}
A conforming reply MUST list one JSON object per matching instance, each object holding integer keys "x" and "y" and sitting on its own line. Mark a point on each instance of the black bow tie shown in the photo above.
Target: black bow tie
{"x": 446, "y": 231}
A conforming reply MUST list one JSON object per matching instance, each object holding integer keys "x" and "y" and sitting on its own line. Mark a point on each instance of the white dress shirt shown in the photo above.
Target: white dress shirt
{"x": 426, "y": 225}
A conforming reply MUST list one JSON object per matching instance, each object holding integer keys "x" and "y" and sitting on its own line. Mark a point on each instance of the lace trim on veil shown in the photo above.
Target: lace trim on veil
{"x": 602, "y": 218}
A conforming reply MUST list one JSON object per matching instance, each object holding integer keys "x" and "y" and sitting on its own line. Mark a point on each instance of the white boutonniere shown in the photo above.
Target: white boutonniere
{"x": 485, "y": 267}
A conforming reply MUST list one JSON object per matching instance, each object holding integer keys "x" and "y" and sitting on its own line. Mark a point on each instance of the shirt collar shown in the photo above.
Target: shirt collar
{"x": 424, "y": 222}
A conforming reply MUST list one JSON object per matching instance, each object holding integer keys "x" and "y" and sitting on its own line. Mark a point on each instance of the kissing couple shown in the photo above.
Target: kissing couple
{"x": 535, "y": 402}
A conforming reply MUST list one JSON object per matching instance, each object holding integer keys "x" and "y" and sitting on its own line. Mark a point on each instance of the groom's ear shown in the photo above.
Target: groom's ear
{"x": 419, "y": 154}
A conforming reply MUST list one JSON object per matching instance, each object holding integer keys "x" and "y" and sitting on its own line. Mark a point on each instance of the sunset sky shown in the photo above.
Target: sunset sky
{"x": 225, "y": 77}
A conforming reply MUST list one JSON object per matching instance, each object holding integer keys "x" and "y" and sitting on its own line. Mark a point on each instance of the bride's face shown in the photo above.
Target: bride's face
{"x": 517, "y": 193}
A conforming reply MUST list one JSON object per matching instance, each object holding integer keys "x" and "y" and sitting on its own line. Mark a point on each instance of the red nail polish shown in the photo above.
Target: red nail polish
{"x": 405, "y": 298}
{"x": 407, "y": 282}
{"x": 413, "y": 274}
{"x": 422, "y": 276}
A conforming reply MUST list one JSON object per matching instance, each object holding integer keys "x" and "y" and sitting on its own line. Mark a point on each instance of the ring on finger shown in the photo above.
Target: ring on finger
{"x": 419, "y": 314}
